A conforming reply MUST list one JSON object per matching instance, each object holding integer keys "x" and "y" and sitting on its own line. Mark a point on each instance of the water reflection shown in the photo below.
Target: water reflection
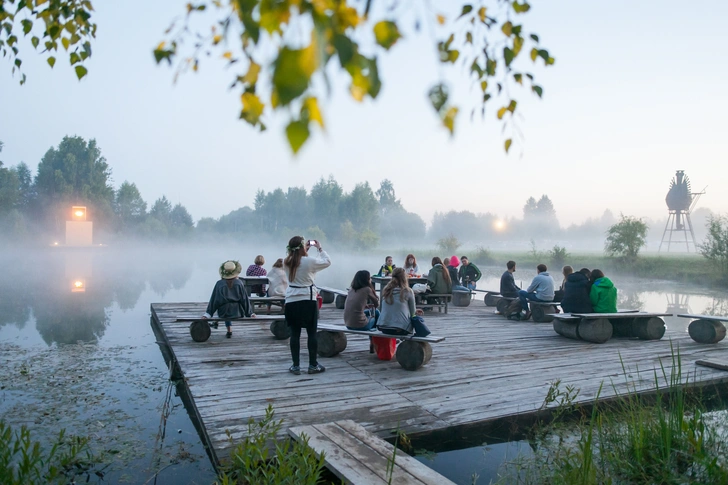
{"x": 677, "y": 303}
{"x": 716, "y": 307}
{"x": 70, "y": 293}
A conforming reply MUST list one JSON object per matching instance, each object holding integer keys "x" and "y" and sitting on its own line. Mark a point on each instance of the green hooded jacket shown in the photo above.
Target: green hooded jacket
{"x": 603, "y": 296}
{"x": 436, "y": 281}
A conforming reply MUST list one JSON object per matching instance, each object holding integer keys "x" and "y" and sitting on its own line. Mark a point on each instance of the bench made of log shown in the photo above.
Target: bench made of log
{"x": 541, "y": 311}
{"x": 706, "y": 329}
{"x": 200, "y": 329}
{"x": 332, "y": 295}
{"x": 443, "y": 297}
{"x": 491, "y": 297}
{"x": 412, "y": 353}
{"x": 600, "y": 327}
{"x": 461, "y": 297}
{"x": 358, "y": 457}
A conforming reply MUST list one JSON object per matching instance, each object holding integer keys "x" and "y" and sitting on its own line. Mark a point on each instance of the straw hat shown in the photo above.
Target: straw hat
{"x": 230, "y": 269}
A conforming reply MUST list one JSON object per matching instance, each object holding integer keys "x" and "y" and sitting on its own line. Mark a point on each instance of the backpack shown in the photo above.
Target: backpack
{"x": 384, "y": 347}
{"x": 513, "y": 311}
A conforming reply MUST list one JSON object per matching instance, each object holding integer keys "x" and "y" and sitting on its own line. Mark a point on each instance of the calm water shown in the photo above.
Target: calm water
{"x": 78, "y": 351}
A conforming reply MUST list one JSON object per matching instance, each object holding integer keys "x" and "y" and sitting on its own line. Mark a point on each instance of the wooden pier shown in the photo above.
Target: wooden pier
{"x": 488, "y": 370}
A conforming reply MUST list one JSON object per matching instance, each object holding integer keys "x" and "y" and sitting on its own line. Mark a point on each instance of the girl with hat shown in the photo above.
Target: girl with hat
{"x": 229, "y": 298}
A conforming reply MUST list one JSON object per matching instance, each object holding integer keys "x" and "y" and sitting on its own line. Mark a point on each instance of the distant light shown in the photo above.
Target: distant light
{"x": 78, "y": 286}
{"x": 499, "y": 225}
{"x": 55, "y": 243}
{"x": 78, "y": 213}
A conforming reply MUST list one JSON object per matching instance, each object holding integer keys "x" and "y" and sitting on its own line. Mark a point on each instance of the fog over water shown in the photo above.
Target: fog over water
{"x": 78, "y": 350}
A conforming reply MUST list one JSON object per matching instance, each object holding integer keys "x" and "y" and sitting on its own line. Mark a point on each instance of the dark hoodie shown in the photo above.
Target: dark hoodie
{"x": 604, "y": 296}
{"x": 576, "y": 294}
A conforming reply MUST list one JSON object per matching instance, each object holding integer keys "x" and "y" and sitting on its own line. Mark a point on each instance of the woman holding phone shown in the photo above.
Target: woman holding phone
{"x": 301, "y": 305}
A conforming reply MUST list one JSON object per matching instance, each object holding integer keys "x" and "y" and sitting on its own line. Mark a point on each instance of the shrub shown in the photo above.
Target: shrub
{"x": 715, "y": 246}
{"x": 558, "y": 255}
{"x": 252, "y": 462}
{"x": 483, "y": 256}
{"x": 626, "y": 238}
{"x": 449, "y": 244}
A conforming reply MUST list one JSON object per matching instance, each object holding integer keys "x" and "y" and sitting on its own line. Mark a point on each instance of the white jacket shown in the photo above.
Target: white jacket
{"x": 303, "y": 286}
{"x": 277, "y": 282}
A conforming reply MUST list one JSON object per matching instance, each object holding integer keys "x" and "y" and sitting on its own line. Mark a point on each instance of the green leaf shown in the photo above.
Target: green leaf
{"x": 35, "y": 41}
{"x": 534, "y": 37}
{"x": 81, "y": 72}
{"x": 512, "y": 105}
{"x": 74, "y": 58}
{"x": 469, "y": 37}
{"x": 345, "y": 48}
{"x": 520, "y": 7}
{"x": 534, "y": 54}
{"x": 386, "y": 33}
{"x": 490, "y": 66}
{"x": 438, "y": 96}
{"x": 508, "y": 55}
{"x": 51, "y": 61}
{"x": 518, "y": 77}
{"x": 517, "y": 45}
{"x": 252, "y": 108}
{"x": 483, "y": 85}
{"x": 502, "y": 112}
{"x": 508, "y": 144}
{"x": 297, "y": 133}
{"x": 292, "y": 73}
{"x": 466, "y": 10}
{"x": 27, "y": 26}
{"x": 475, "y": 67}
{"x": 538, "y": 90}
{"x": 311, "y": 111}
{"x": 66, "y": 42}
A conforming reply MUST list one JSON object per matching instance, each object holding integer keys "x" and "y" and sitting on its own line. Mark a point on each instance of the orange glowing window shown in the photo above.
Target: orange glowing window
{"x": 78, "y": 213}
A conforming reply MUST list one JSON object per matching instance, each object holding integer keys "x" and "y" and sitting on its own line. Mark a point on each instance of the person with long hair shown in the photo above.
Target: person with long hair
{"x": 361, "y": 294}
{"x": 301, "y": 309}
{"x": 438, "y": 278}
{"x": 410, "y": 265}
{"x": 229, "y": 298}
{"x": 398, "y": 305}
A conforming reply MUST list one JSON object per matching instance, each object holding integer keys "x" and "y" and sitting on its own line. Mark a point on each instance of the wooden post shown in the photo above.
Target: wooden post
{"x": 597, "y": 330}
{"x": 706, "y": 331}
{"x": 412, "y": 355}
{"x": 280, "y": 329}
{"x": 330, "y": 343}
{"x": 461, "y": 298}
{"x": 491, "y": 299}
{"x": 200, "y": 330}
{"x": 340, "y": 301}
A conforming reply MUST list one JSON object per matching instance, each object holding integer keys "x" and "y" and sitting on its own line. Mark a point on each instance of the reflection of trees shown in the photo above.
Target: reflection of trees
{"x": 629, "y": 300}
{"x": 717, "y": 307}
{"x": 41, "y": 284}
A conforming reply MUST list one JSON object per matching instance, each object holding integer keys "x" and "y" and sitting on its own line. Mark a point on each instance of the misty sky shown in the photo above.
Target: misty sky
{"x": 637, "y": 91}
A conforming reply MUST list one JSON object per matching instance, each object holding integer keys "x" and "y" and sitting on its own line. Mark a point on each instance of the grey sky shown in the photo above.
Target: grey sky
{"x": 636, "y": 93}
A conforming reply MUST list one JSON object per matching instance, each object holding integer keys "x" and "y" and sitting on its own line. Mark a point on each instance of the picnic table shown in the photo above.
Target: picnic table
{"x": 250, "y": 281}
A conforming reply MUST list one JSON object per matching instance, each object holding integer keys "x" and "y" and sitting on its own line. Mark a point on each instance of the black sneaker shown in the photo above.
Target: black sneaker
{"x": 317, "y": 369}
{"x": 294, "y": 369}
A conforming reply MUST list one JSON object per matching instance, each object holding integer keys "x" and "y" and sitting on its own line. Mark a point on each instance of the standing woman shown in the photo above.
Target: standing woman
{"x": 301, "y": 305}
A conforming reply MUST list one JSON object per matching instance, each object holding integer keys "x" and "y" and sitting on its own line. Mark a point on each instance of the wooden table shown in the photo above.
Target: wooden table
{"x": 250, "y": 281}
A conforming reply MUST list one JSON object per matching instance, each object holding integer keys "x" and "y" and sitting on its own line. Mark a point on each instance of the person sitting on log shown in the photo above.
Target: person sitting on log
{"x": 603, "y": 294}
{"x": 399, "y": 316}
{"x": 410, "y": 266}
{"x": 541, "y": 289}
{"x": 559, "y": 294}
{"x": 576, "y": 293}
{"x": 229, "y": 298}
{"x": 257, "y": 269}
{"x": 438, "y": 279}
{"x": 277, "y": 279}
{"x": 508, "y": 287}
{"x": 469, "y": 274}
{"x": 452, "y": 264}
{"x": 387, "y": 268}
{"x": 361, "y": 295}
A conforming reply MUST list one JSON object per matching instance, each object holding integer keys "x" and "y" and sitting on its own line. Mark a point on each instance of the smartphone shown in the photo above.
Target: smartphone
{"x": 311, "y": 242}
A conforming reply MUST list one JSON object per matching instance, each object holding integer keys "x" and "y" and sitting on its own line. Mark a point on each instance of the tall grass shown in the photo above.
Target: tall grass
{"x": 662, "y": 438}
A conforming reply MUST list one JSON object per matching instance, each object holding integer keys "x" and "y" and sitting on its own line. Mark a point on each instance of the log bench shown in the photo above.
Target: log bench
{"x": 412, "y": 352}
{"x": 332, "y": 295}
{"x": 201, "y": 329}
{"x": 444, "y": 298}
{"x": 600, "y": 327}
{"x": 706, "y": 329}
{"x": 461, "y": 297}
{"x": 541, "y": 311}
{"x": 267, "y": 301}
{"x": 491, "y": 297}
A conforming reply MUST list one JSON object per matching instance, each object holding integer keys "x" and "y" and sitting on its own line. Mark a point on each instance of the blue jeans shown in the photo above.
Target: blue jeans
{"x": 372, "y": 320}
{"x": 460, "y": 288}
{"x": 525, "y": 296}
{"x": 471, "y": 285}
